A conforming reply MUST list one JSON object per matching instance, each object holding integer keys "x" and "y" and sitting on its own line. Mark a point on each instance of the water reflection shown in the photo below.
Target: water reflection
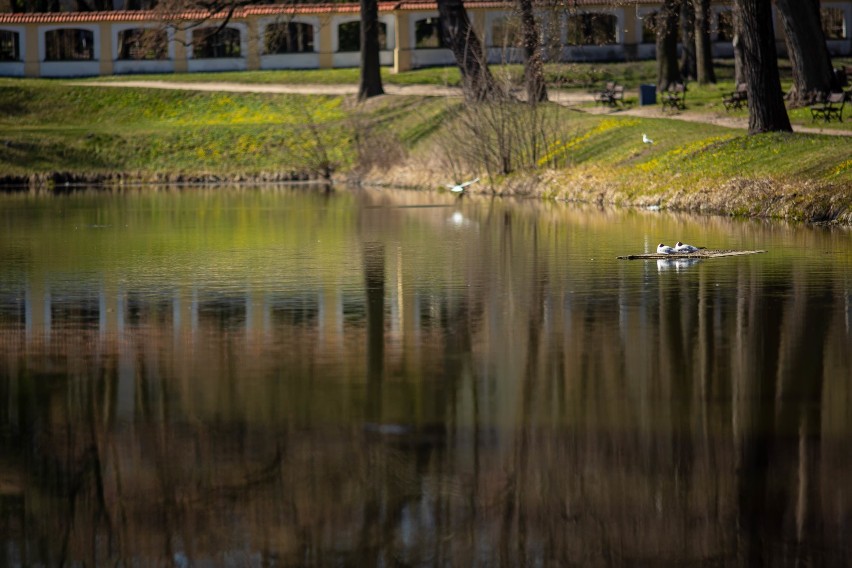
{"x": 281, "y": 378}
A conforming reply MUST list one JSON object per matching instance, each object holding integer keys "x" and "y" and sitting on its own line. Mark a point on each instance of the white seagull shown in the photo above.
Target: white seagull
{"x": 646, "y": 140}
{"x": 459, "y": 187}
{"x": 664, "y": 249}
{"x": 680, "y": 247}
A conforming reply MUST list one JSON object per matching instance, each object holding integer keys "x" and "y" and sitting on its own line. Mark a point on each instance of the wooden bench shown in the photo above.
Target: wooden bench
{"x": 612, "y": 95}
{"x": 736, "y": 98}
{"x": 675, "y": 97}
{"x": 830, "y": 107}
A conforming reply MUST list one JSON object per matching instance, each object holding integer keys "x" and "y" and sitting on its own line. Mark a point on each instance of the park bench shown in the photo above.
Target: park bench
{"x": 830, "y": 107}
{"x": 612, "y": 95}
{"x": 675, "y": 97}
{"x": 736, "y": 98}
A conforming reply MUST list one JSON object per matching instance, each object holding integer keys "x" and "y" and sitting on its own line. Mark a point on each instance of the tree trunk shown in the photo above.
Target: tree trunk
{"x": 371, "y": 76}
{"x": 809, "y": 56}
{"x": 668, "y": 70}
{"x": 687, "y": 34}
{"x": 533, "y": 63}
{"x": 477, "y": 81}
{"x": 704, "y": 71}
{"x": 766, "y": 112}
{"x": 737, "y": 43}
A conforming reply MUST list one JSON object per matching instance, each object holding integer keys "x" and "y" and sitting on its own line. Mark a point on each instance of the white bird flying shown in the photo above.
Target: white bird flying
{"x": 680, "y": 247}
{"x": 664, "y": 249}
{"x": 459, "y": 187}
{"x": 646, "y": 140}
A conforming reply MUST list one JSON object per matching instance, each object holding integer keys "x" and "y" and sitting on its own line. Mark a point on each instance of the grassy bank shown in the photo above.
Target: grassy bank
{"x": 84, "y": 133}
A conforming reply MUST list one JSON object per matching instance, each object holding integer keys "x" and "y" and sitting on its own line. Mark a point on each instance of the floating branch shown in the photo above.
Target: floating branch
{"x": 705, "y": 253}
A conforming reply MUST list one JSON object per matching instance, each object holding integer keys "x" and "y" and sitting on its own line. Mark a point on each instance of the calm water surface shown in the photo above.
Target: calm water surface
{"x": 284, "y": 377}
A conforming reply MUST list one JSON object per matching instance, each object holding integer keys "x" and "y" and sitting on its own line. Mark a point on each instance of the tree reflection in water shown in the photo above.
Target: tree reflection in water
{"x": 423, "y": 393}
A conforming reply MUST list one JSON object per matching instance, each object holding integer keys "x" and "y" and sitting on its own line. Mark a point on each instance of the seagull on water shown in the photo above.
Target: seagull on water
{"x": 664, "y": 249}
{"x": 459, "y": 187}
{"x": 646, "y": 140}
{"x": 680, "y": 247}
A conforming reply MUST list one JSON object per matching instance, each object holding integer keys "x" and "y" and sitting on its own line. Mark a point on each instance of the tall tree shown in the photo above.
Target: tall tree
{"x": 737, "y": 44}
{"x": 704, "y": 71}
{"x": 371, "y": 75}
{"x": 766, "y": 112}
{"x": 534, "y": 58}
{"x": 806, "y": 47}
{"x": 666, "y": 28}
{"x": 477, "y": 81}
{"x": 687, "y": 33}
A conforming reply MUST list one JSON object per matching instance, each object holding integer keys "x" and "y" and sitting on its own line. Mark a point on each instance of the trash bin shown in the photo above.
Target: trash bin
{"x": 647, "y": 95}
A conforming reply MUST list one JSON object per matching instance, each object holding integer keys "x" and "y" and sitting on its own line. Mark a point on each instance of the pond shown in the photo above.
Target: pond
{"x": 286, "y": 376}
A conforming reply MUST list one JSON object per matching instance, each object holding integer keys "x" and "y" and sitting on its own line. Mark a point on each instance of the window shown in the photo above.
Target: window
{"x": 349, "y": 36}
{"x": 140, "y": 43}
{"x": 10, "y": 47}
{"x": 291, "y": 37}
{"x": 427, "y": 34}
{"x": 215, "y": 43}
{"x": 69, "y": 45}
{"x": 649, "y": 28}
{"x": 592, "y": 29}
{"x": 834, "y": 23}
{"x": 725, "y": 26}
{"x": 506, "y": 32}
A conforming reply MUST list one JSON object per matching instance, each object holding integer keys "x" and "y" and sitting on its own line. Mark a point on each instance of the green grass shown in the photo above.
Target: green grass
{"x": 585, "y": 77}
{"x": 49, "y": 126}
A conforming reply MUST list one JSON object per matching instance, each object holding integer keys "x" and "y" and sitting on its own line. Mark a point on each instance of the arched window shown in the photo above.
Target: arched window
{"x": 69, "y": 45}
{"x": 291, "y": 37}
{"x": 725, "y": 25}
{"x": 506, "y": 32}
{"x": 427, "y": 34}
{"x": 349, "y": 36}
{"x": 10, "y": 46}
{"x": 141, "y": 43}
{"x": 592, "y": 29}
{"x": 215, "y": 43}
{"x": 834, "y": 23}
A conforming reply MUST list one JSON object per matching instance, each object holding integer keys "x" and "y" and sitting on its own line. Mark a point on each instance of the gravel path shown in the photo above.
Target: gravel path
{"x": 566, "y": 98}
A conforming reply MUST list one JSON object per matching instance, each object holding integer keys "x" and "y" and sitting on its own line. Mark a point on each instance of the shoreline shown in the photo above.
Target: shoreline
{"x": 811, "y": 203}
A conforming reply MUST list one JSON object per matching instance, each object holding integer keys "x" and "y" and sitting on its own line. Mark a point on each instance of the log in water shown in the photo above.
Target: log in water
{"x": 704, "y": 253}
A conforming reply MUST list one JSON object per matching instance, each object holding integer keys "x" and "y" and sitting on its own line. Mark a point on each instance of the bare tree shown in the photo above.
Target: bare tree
{"x": 765, "y": 100}
{"x": 806, "y": 47}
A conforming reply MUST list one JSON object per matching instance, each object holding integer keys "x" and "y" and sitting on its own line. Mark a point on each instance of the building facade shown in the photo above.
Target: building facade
{"x": 324, "y": 36}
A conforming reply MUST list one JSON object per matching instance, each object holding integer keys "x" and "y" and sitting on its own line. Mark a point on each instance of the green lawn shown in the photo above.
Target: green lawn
{"x": 586, "y": 77}
{"x": 49, "y": 126}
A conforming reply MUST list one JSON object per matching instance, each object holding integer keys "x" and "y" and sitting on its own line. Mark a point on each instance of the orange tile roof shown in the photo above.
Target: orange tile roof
{"x": 261, "y": 10}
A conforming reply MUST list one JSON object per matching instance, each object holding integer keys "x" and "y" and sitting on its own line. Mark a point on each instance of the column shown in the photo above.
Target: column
{"x": 181, "y": 50}
{"x": 32, "y": 65}
{"x": 326, "y": 50}
{"x": 106, "y": 42}
{"x": 402, "y": 43}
